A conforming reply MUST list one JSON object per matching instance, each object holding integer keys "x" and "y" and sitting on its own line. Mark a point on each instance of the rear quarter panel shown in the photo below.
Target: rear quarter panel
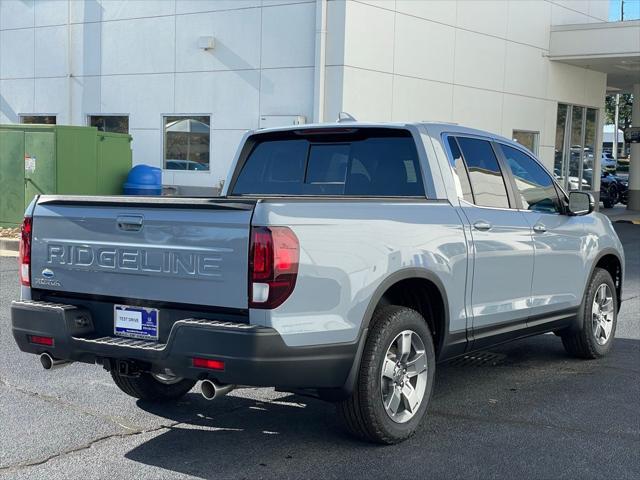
{"x": 348, "y": 248}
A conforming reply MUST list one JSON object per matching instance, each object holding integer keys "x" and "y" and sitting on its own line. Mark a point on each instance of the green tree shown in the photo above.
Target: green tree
{"x": 624, "y": 114}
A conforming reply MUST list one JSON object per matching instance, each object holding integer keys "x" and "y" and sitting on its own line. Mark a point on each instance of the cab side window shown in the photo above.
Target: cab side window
{"x": 533, "y": 183}
{"x": 460, "y": 171}
{"x": 487, "y": 182}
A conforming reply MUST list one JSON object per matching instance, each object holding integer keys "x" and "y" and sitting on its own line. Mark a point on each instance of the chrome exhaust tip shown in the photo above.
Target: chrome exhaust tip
{"x": 50, "y": 363}
{"x": 213, "y": 390}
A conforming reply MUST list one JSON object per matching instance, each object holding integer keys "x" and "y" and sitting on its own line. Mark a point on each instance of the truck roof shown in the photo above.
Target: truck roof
{"x": 431, "y": 125}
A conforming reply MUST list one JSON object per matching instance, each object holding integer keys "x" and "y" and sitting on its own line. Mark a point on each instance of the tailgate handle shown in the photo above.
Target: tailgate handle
{"x": 130, "y": 223}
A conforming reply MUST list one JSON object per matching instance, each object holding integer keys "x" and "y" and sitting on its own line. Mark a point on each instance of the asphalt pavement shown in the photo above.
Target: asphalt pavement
{"x": 528, "y": 411}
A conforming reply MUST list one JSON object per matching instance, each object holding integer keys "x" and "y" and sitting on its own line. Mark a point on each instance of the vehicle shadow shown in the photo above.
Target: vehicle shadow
{"x": 524, "y": 393}
{"x": 226, "y": 438}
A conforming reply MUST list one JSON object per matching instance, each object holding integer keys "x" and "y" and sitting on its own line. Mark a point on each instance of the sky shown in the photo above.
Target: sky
{"x": 631, "y": 10}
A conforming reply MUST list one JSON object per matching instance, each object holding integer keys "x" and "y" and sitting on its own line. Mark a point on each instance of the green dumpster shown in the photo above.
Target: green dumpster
{"x": 58, "y": 159}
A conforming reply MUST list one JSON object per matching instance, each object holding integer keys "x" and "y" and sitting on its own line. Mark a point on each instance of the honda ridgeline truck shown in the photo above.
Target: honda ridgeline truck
{"x": 341, "y": 261}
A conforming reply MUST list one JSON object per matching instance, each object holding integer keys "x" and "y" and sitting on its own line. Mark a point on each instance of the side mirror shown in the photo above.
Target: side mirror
{"x": 581, "y": 203}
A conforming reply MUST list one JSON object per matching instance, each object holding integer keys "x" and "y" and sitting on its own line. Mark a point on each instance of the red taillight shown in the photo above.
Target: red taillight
{"x": 25, "y": 252}
{"x": 208, "y": 363}
{"x": 273, "y": 266}
{"x": 261, "y": 254}
{"x": 48, "y": 341}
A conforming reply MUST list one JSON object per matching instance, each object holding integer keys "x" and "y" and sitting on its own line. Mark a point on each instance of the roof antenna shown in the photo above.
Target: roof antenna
{"x": 345, "y": 117}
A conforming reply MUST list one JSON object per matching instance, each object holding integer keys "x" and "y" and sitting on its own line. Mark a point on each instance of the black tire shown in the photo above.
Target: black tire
{"x": 146, "y": 387}
{"x": 582, "y": 343}
{"x": 612, "y": 197}
{"x": 615, "y": 195}
{"x": 363, "y": 413}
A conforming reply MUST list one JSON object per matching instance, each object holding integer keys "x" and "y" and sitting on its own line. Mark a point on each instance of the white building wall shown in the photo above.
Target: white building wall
{"x": 481, "y": 63}
{"x": 478, "y": 63}
{"x": 140, "y": 58}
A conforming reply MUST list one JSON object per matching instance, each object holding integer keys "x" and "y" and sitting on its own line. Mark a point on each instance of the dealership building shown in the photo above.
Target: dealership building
{"x": 187, "y": 78}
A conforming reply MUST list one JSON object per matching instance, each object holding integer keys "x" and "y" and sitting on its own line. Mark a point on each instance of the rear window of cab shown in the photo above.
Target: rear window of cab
{"x": 338, "y": 161}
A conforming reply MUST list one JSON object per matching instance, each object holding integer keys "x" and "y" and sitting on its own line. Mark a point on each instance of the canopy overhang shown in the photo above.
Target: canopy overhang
{"x": 610, "y": 47}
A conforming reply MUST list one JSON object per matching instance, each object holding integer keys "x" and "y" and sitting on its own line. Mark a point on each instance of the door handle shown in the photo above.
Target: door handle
{"x": 482, "y": 225}
{"x": 539, "y": 228}
{"x": 129, "y": 223}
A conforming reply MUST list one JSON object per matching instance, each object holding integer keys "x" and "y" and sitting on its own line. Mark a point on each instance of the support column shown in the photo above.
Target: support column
{"x": 634, "y": 165}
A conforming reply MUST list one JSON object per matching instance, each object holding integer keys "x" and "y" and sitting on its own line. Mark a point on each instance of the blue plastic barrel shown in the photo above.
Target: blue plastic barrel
{"x": 144, "y": 180}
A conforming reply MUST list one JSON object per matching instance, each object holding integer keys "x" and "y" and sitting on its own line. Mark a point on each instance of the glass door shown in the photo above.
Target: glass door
{"x": 559, "y": 167}
{"x": 575, "y": 146}
{"x": 588, "y": 161}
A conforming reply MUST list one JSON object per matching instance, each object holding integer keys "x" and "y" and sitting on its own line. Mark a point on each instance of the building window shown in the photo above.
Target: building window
{"x": 527, "y": 139}
{"x": 110, "y": 123}
{"x": 38, "y": 119}
{"x": 187, "y": 142}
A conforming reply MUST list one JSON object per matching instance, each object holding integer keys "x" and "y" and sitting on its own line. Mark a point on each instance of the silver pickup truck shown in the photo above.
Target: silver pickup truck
{"x": 342, "y": 261}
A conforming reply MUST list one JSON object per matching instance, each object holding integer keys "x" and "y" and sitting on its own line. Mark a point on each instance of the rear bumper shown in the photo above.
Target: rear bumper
{"x": 252, "y": 355}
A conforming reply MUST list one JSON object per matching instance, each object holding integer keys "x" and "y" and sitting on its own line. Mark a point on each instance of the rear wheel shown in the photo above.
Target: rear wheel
{"x": 395, "y": 379}
{"x": 153, "y": 387}
{"x": 599, "y": 318}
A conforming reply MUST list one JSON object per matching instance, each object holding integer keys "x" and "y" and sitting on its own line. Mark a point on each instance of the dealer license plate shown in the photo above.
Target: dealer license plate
{"x": 136, "y": 322}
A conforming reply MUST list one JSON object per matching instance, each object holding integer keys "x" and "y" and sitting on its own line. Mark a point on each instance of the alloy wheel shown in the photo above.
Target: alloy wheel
{"x": 602, "y": 314}
{"x": 404, "y": 376}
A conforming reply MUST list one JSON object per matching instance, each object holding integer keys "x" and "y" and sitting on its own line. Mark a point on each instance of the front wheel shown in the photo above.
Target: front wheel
{"x": 153, "y": 387}
{"x": 395, "y": 378}
{"x": 599, "y": 318}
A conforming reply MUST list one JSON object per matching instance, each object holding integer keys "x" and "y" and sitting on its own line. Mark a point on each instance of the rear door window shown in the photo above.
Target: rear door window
{"x": 461, "y": 176}
{"x": 487, "y": 182}
{"x": 358, "y": 162}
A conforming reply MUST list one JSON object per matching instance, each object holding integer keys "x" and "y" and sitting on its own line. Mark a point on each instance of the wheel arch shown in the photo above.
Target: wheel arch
{"x": 382, "y": 296}
{"x": 609, "y": 260}
{"x": 390, "y": 292}
{"x": 425, "y": 297}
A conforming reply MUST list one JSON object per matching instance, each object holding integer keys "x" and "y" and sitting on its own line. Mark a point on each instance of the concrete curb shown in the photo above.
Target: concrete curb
{"x": 631, "y": 222}
{"x": 10, "y": 244}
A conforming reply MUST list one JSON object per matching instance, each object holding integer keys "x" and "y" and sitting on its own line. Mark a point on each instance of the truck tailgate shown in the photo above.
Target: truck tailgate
{"x": 190, "y": 251}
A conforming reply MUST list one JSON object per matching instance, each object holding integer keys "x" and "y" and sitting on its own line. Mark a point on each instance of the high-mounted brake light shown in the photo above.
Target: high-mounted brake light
{"x": 24, "y": 258}
{"x": 325, "y": 131}
{"x": 273, "y": 266}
